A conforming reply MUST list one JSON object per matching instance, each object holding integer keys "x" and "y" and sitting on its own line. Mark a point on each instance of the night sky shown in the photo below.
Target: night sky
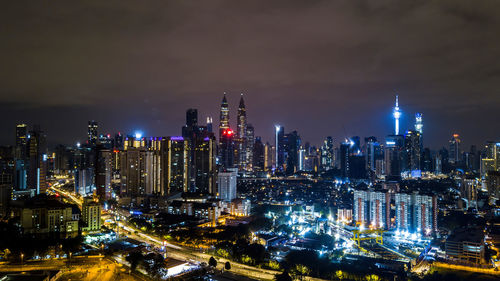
{"x": 319, "y": 67}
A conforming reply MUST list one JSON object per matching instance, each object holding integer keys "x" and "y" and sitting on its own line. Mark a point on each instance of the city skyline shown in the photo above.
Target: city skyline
{"x": 338, "y": 65}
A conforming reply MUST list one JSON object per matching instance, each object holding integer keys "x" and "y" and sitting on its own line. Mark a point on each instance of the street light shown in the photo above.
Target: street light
{"x": 22, "y": 258}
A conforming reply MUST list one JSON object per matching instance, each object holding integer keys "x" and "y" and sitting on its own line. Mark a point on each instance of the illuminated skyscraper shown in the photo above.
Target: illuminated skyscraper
{"x": 226, "y": 149}
{"x": 413, "y": 149}
{"x": 241, "y": 136}
{"x": 37, "y": 161}
{"x": 21, "y": 141}
{"x": 418, "y": 123}
{"x": 224, "y": 116}
{"x": 454, "y": 154}
{"x": 327, "y": 156}
{"x": 250, "y": 142}
{"x": 209, "y": 125}
{"x": 397, "y": 114}
{"x": 92, "y": 133}
{"x": 279, "y": 147}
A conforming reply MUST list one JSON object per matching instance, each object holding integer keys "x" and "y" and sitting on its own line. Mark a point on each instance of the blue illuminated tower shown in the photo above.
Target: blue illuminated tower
{"x": 397, "y": 115}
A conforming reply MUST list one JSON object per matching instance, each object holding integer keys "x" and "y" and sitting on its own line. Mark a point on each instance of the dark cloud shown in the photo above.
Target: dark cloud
{"x": 321, "y": 67}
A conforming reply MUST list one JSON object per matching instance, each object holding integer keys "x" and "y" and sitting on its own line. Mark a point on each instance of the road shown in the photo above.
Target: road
{"x": 179, "y": 252}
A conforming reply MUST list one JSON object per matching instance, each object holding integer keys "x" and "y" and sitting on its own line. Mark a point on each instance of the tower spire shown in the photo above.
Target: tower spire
{"x": 397, "y": 114}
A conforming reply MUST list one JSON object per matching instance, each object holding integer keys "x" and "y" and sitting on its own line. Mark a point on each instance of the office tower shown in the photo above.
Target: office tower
{"x": 91, "y": 215}
{"x": 250, "y": 143}
{"x": 372, "y": 208}
{"x": 279, "y": 145}
{"x": 104, "y": 174}
{"x": 355, "y": 147}
{"x": 209, "y": 125}
{"x": 224, "y": 117}
{"x": 227, "y": 184}
{"x": 84, "y": 181}
{"x": 259, "y": 155}
{"x": 397, "y": 114}
{"x": 269, "y": 156}
{"x": 394, "y": 155}
{"x": 413, "y": 149}
{"x": 227, "y": 149}
{"x": 427, "y": 163}
{"x": 327, "y": 156}
{"x": 419, "y": 126}
{"x": 37, "y": 169}
{"x": 344, "y": 158}
{"x": 205, "y": 169}
{"x": 455, "y": 155}
{"x": 92, "y": 133}
{"x": 292, "y": 146}
{"x": 192, "y": 133}
{"x": 190, "y": 129}
{"x": 490, "y": 162}
{"x": 302, "y": 159}
{"x": 62, "y": 159}
{"x": 21, "y": 142}
{"x": 241, "y": 136}
{"x": 373, "y": 152}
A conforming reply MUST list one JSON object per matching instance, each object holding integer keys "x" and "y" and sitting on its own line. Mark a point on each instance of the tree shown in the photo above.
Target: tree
{"x": 212, "y": 262}
{"x": 155, "y": 264}
{"x": 227, "y": 266}
{"x": 134, "y": 259}
{"x": 283, "y": 276}
{"x": 301, "y": 270}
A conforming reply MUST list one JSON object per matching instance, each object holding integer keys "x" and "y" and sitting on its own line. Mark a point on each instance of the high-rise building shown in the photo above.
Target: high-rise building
{"x": 177, "y": 161}
{"x": 204, "y": 165}
{"x": 250, "y": 143}
{"x": 91, "y": 215}
{"x": 344, "y": 158}
{"x": 394, "y": 155}
{"x": 327, "y": 154}
{"x": 104, "y": 174}
{"x": 419, "y": 126}
{"x": 259, "y": 155}
{"x": 454, "y": 152}
{"x": 21, "y": 142}
{"x": 490, "y": 162}
{"x": 227, "y": 149}
{"x": 227, "y": 184}
{"x": 279, "y": 147}
{"x": 241, "y": 136}
{"x": 224, "y": 116}
{"x": 416, "y": 213}
{"x": 37, "y": 172}
{"x": 292, "y": 146}
{"x": 413, "y": 149}
{"x": 373, "y": 152}
{"x": 92, "y": 133}
{"x": 372, "y": 208}
{"x": 209, "y": 125}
